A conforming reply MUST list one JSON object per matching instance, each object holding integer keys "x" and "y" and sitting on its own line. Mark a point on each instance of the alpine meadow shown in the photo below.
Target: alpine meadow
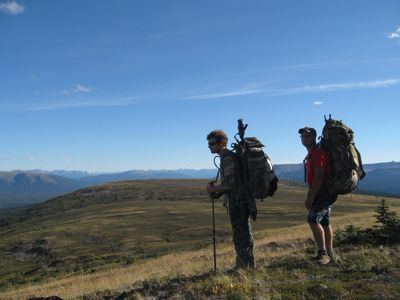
{"x": 152, "y": 239}
{"x": 199, "y": 150}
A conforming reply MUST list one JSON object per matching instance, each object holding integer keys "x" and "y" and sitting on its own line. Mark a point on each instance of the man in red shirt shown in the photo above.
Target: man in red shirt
{"x": 319, "y": 201}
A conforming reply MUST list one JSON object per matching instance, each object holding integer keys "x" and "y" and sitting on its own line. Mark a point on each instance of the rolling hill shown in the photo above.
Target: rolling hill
{"x": 131, "y": 224}
{"x": 27, "y": 187}
{"x": 19, "y": 188}
{"x": 149, "y": 174}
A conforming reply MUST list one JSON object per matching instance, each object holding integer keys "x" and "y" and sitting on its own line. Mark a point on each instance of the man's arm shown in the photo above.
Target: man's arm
{"x": 315, "y": 186}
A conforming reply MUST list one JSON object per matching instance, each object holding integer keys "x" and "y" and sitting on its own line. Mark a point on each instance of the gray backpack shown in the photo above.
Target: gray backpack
{"x": 257, "y": 170}
{"x": 338, "y": 140}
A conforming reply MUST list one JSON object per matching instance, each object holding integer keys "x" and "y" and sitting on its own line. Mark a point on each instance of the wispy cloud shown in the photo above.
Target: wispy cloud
{"x": 75, "y": 105}
{"x": 90, "y": 103}
{"x": 82, "y": 89}
{"x": 11, "y": 7}
{"x": 395, "y": 35}
{"x": 337, "y": 87}
{"x": 248, "y": 90}
{"x": 304, "y": 89}
{"x": 78, "y": 89}
{"x": 337, "y": 63}
{"x": 225, "y": 94}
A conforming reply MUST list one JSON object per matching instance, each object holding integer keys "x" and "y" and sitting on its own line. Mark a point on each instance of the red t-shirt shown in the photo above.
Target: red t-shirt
{"x": 317, "y": 158}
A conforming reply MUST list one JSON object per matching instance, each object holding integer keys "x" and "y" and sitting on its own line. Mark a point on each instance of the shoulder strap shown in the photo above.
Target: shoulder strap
{"x": 304, "y": 167}
{"x": 309, "y": 156}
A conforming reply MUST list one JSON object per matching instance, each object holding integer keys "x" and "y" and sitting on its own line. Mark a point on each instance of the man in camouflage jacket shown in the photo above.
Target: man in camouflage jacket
{"x": 236, "y": 195}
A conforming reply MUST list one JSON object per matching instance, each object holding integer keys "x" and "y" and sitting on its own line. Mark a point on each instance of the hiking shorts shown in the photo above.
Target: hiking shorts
{"x": 320, "y": 211}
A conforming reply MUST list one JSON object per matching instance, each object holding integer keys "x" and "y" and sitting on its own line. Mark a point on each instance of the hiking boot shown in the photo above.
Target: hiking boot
{"x": 237, "y": 267}
{"x": 322, "y": 257}
{"x": 324, "y": 260}
{"x": 240, "y": 267}
{"x": 236, "y": 270}
{"x": 318, "y": 255}
{"x": 334, "y": 258}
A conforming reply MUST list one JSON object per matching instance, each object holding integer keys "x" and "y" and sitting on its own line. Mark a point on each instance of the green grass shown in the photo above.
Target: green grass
{"x": 126, "y": 222}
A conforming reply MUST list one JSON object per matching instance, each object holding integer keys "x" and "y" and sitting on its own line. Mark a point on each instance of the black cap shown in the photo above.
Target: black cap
{"x": 308, "y": 130}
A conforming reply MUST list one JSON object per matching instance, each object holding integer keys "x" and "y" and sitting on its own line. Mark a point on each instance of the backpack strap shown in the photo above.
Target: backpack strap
{"x": 304, "y": 167}
{"x": 309, "y": 156}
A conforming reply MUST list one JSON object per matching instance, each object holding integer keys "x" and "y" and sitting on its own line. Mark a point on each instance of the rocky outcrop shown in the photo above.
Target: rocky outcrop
{"x": 38, "y": 250}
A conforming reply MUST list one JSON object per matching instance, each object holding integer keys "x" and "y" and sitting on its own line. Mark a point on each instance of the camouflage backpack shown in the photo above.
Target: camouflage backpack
{"x": 258, "y": 172}
{"x": 338, "y": 140}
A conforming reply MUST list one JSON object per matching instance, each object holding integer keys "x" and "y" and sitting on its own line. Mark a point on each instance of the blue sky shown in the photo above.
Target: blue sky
{"x": 118, "y": 85}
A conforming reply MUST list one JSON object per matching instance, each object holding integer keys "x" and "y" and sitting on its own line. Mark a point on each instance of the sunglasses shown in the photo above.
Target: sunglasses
{"x": 212, "y": 144}
{"x": 306, "y": 135}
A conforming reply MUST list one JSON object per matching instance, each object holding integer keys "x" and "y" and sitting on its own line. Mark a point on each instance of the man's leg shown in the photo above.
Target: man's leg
{"x": 244, "y": 242}
{"x": 319, "y": 235}
{"x": 328, "y": 233}
{"x": 328, "y": 230}
{"x": 242, "y": 237}
{"x": 314, "y": 218}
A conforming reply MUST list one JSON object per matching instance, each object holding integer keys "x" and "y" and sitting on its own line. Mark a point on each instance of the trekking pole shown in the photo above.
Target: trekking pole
{"x": 214, "y": 239}
{"x": 213, "y": 196}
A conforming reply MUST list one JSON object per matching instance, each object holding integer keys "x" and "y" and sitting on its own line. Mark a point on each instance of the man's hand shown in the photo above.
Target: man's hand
{"x": 210, "y": 189}
{"x": 214, "y": 191}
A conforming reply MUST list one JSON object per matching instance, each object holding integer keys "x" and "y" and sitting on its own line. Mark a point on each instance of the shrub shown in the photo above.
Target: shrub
{"x": 386, "y": 232}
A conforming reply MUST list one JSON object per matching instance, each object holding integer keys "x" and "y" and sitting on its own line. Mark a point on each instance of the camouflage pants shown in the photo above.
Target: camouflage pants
{"x": 241, "y": 229}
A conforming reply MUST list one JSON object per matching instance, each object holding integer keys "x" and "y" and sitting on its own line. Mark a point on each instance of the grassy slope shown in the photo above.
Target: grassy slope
{"x": 97, "y": 229}
{"x": 284, "y": 272}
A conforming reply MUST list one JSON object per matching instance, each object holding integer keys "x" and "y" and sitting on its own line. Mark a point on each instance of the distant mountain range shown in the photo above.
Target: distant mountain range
{"x": 19, "y": 188}
{"x": 381, "y": 179}
{"x": 63, "y": 173}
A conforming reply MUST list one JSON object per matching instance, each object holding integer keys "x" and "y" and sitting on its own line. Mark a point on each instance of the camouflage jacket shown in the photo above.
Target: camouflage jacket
{"x": 230, "y": 179}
